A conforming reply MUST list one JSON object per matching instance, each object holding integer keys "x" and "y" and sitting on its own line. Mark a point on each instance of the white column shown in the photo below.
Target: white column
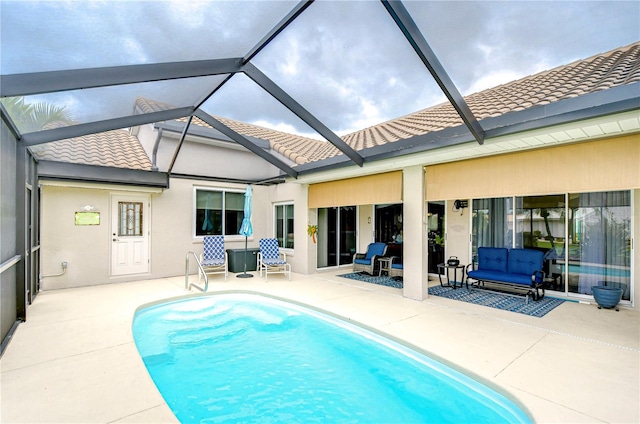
{"x": 415, "y": 276}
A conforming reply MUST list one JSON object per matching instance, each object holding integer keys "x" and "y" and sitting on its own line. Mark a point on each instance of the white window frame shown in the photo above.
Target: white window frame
{"x": 194, "y": 209}
{"x": 275, "y": 223}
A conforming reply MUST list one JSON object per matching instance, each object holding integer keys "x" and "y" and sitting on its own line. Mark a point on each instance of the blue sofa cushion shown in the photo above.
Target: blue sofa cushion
{"x": 500, "y": 276}
{"x": 492, "y": 259}
{"x": 374, "y": 249}
{"x": 525, "y": 261}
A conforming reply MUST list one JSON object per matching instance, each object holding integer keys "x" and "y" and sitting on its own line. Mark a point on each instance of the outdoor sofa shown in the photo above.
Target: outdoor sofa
{"x": 510, "y": 271}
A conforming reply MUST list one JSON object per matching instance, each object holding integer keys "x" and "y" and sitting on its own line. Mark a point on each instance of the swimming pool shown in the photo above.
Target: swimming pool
{"x": 244, "y": 357}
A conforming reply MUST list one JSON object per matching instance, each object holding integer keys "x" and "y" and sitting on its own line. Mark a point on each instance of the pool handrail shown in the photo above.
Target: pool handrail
{"x": 187, "y": 285}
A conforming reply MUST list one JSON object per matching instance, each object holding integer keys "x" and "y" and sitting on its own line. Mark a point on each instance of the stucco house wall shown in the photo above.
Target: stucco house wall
{"x": 85, "y": 249}
{"x": 199, "y": 156}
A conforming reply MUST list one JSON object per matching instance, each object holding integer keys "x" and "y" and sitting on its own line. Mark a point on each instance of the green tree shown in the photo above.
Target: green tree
{"x": 30, "y": 117}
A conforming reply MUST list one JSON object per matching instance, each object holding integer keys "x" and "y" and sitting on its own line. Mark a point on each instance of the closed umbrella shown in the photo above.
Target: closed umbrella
{"x": 246, "y": 229}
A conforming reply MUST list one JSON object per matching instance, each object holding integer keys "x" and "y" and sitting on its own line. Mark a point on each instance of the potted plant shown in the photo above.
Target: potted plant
{"x": 312, "y": 230}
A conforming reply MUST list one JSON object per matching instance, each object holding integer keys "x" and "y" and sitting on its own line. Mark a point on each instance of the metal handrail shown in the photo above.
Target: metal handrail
{"x": 9, "y": 263}
{"x": 187, "y": 285}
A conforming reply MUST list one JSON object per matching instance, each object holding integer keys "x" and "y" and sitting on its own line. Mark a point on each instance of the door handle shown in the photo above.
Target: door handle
{"x": 115, "y": 239}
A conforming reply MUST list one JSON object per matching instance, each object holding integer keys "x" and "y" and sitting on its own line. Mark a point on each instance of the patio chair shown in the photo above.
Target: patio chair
{"x": 367, "y": 262}
{"x": 271, "y": 260}
{"x": 213, "y": 257}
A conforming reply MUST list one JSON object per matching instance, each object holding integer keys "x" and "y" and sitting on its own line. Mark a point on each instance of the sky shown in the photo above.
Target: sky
{"x": 344, "y": 61}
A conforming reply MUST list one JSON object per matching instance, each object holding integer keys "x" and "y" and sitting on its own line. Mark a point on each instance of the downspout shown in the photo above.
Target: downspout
{"x": 154, "y": 155}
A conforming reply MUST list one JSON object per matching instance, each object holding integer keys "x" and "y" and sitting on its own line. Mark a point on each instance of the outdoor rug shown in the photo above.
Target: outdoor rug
{"x": 383, "y": 281}
{"x": 498, "y": 301}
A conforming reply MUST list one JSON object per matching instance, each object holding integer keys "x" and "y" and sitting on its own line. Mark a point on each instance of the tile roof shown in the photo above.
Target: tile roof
{"x": 600, "y": 72}
{"x": 115, "y": 148}
{"x": 294, "y": 147}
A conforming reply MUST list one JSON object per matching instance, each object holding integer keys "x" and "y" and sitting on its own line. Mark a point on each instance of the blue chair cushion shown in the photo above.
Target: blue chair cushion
{"x": 525, "y": 261}
{"x": 362, "y": 261}
{"x": 492, "y": 259}
{"x": 484, "y": 275}
{"x": 397, "y": 266}
{"x": 375, "y": 249}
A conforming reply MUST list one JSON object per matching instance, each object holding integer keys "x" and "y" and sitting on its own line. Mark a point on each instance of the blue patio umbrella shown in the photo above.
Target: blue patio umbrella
{"x": 246, "y": 229}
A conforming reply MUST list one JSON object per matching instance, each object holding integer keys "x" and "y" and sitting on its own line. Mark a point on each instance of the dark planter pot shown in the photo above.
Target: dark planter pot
{"x": 607, "y": 297}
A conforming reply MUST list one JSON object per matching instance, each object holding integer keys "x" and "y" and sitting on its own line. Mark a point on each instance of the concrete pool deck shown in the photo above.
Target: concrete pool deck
{"x": 74, "y": 360}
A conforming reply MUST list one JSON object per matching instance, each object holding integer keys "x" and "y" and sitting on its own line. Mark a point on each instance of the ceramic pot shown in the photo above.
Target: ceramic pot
{"x": 606, "y": 297}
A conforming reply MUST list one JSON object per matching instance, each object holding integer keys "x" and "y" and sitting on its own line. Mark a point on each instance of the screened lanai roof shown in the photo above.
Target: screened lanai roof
{"x": 326, "y": 70}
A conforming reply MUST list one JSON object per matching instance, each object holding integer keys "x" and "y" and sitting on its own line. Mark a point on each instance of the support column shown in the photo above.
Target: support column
{"x": 415, "y": 275}
{"x": 21, "y": 231}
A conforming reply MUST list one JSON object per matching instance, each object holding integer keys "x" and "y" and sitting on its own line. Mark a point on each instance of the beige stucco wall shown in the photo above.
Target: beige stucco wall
{"x": 229, "y": 160}
{"x": 172, "y": 225}
{"x": 86, "y": 249}
{"x": 365, "y": 227}
{"x": 300, "y": 257}
{"x": 457, "y": 231}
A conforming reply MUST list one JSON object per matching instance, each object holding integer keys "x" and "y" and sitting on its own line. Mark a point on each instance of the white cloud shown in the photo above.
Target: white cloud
{"x": 135, "y": 50}
{"x": 289, "y": 65}
{"x": 287, "y": 128}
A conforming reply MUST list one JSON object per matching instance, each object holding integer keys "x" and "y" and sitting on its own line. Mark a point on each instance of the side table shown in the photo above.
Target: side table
{"x": 385, "y": 265}
{"x": 444, "y": 269}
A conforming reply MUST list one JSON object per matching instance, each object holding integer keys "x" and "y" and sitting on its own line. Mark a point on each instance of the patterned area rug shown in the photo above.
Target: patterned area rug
{"x": 498, "y": 301}
{"x": 383, "y": 281}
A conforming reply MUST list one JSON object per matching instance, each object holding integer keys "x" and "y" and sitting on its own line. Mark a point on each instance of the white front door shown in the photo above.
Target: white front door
{"x": 130, "y": 234}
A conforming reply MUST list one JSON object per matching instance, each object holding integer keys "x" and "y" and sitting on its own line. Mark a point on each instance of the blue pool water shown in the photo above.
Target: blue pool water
{"x": 249, "y": 358}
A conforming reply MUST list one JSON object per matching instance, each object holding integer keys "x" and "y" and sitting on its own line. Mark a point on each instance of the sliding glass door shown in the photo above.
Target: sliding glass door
{"x": 586, "y": 237}
{"x": 541, "y": 225}
{"x": 600, "y": 242}
{"x": 336, "y": 236}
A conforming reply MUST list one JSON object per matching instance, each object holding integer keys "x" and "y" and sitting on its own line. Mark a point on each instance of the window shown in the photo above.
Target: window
{"x": 284, "y": 225}
{"x": 129, "y": 219}
{"x": 218, "y": 212}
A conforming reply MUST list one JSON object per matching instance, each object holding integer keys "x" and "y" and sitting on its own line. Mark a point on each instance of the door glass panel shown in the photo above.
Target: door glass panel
{"x": 336, "y": 236}
{"x": 492, "y": 223}
{"x": 435, "y": 224}
{"x": 327, "y": 248}
{"x": 388, "y": 223}
{"x": 347, "y": 234}
{"x": 130, "y": 219}
{"x": 600, "y": 241}
{"x": 541, "y": 225}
